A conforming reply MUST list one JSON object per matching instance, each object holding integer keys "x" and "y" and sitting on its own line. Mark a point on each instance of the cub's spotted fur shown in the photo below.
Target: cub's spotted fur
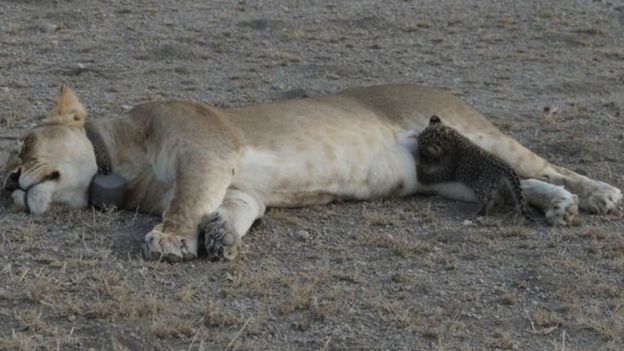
{"x": 446, "y": 156}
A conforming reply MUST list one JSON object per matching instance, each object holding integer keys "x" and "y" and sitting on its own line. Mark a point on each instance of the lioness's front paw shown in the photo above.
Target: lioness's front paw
{"x": 600, "y": 197}
{"x": 220, "y": 240}
{"x": 168, "y": 247}
{"x": 562, "y": 210}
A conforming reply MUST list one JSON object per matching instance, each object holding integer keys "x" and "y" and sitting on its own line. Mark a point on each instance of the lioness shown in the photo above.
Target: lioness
{"x": 190, "y": 161}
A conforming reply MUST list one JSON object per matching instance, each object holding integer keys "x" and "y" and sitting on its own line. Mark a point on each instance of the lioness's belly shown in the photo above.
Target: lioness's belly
{"x": 353, "y": 166}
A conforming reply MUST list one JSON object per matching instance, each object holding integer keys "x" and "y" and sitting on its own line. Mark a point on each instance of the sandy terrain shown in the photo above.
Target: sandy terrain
{"x": 401, "y": 274}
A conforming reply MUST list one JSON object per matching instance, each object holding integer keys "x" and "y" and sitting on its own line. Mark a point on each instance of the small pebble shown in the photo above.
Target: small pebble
{"x": 48, "y": 28}
{"x": 229, "y": 277}
{"x": 303, "y": 235}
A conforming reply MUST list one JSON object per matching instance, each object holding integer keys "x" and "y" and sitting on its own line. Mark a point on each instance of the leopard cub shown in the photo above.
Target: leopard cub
{"x": 446, "y": 156}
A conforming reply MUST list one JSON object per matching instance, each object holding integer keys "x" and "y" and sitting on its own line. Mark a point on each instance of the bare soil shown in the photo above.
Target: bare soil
{"x": 403, "y": 274}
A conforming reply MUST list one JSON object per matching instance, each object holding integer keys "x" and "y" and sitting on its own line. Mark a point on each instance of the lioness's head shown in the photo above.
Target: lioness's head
{"x": 55, "y": 161}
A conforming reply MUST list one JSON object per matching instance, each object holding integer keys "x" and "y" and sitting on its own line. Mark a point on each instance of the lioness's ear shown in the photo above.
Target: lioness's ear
{"x": 434, "y": 120}
{"x": 68, "y": 109}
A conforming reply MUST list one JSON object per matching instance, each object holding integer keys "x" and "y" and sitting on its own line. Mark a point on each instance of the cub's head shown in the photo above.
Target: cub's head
{"x": 54, "y": 162}
{"x": 436, "y": 142}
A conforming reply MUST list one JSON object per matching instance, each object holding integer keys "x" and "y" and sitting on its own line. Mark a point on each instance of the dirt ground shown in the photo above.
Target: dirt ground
{"x": 403, "y": 274}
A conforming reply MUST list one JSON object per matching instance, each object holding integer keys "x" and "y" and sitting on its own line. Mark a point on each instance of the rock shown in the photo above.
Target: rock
{"x": 302, "y": 235}
{"x": 229, "y": 277}
{"x": 467, "y": 223}
{"x": 48, "y": 28}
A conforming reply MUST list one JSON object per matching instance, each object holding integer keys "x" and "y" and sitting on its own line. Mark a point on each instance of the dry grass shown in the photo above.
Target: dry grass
{"x": 304, "y": 295}
{"x": 127, "y": 306}
{"x": 216, "y": 316}
{"x": 42, "y": 291}
{"x": 614, "y": 53}
{"x": 595, "y": 233}
{"x": 35, "y": 333}
{"x": 608, "y": 329}
{"x": 397, "y": 246}
{"x": 610, "y": 290}
{"x": 507, "y": 299}
{"x": 590, "y": 30}
{"x": 286, "y": 217}
{"x": 185, "y": 293}
{"x": 546, "y": 319}
{"x": 173, "y": 329}
{"x": 520, "y": 232}
{"x": 502, "y": 341}
{"x": 18, "y": 341}
{"x": 249, "y": 282}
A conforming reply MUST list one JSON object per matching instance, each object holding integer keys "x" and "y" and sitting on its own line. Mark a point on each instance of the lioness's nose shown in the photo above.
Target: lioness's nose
{"x": 12, "y": 182}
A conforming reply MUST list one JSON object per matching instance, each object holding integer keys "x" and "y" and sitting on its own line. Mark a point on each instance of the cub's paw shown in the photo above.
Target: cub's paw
{"x": 220, "y": 240}
{"x": 159, "y": 245}
{"x": 600, "y": 197}
{"x": 563, "y": 209}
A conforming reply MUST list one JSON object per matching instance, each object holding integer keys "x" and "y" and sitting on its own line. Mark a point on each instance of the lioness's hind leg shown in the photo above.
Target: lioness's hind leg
{"x": 224, "y": 229}
{"x": 593, "y": 196}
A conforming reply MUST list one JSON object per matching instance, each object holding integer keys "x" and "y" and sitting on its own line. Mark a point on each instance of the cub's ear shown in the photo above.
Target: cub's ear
{"x": 68, "y": 109}
{"x": 434, "y": 120}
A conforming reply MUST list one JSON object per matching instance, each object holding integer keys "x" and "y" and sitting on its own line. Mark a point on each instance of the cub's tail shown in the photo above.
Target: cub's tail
{"x": 516, "y": 192}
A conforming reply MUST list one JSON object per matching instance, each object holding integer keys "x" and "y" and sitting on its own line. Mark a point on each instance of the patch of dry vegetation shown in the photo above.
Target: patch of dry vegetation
{"x": 248, "y": 281}
{"x": 505, "y": 297}
{"x": 502, "y": 341}
{"x": 397, "y": 246}
{"x": 304, "y": 294}
{"x": 546, "y": 319}
{"x": 173, "y": 330}
{"x": 613, "y": 53}
{"x": 593, "y": 30}
{"x": 35, "y": 333}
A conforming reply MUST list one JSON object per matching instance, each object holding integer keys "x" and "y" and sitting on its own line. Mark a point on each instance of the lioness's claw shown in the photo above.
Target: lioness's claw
{"x": 220, "y": 240}
{"x": 167, "y": 247}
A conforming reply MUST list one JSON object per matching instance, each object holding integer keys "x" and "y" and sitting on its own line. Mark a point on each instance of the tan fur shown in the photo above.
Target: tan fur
{"x": 222, "y": 167}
